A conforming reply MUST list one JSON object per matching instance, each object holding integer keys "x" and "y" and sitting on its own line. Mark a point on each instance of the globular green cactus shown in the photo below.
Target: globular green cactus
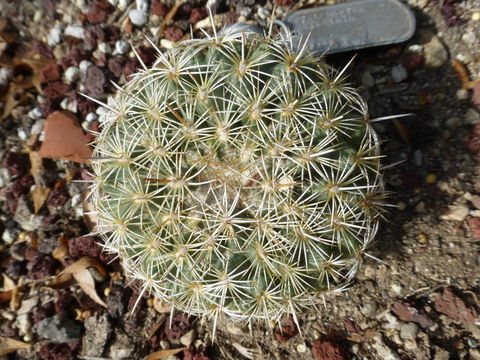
{"x": 238, "y": 176}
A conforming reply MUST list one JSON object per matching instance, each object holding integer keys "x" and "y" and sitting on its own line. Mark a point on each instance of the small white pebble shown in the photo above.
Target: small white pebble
{"x": 71, "y": 74}
{"x": 121, "y": 47}
{"x": 167, "y": 44}
{"x": 415, "y": 48}
{"x": 55, "y": 35}
{"x": 104, "y": 48}
{"x": 84, "y": 65}
{"x": 137, "y": 17}
{"x": 37, "y": 128}
{"x": 301, "y": 348}
{"x": 397, "y": 288}
{"x": 8, "y": 237}
{"x": 35, "y": 113}
{"x": 69, "y": 104}
{"x": 113, "y": 2}
{"x": 91, "y": 117}
{"x": 462, "y": 94}
{"x": 399, "y": 73}
{"x": 263, "y": 13}
{"x": 142, "y": 5}
{"x": 5, "y": 75}
{"x": 22, "y": 134}
{"x": 76, "y": 31}
{"x": 476, "y": 16}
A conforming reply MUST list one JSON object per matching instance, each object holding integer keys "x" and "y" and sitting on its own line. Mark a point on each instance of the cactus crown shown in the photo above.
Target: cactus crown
{"x": 240, "y": 176}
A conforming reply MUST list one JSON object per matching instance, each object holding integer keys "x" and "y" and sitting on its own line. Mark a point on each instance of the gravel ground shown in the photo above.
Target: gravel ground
{"x": 420, "y": 301}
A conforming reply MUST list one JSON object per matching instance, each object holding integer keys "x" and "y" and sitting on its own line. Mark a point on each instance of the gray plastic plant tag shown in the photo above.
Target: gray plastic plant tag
{"x": 352, "y": 25}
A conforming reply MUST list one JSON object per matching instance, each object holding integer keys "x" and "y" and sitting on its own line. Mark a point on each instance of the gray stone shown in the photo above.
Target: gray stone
{"x": 472, "y": 116}
{"x": 25, "y": 217}
{"x": 434, "y": 52}
{"x": 97, "y": 332}
{"x": 59, "y": 328}
{"x": 121, "y": 47}
{"x": 399, "y": 73}
{"x": 408, "y": 331}
{"x": 138, "y": 17}
{"x": 76, "y": 31}
{"x": 122, "y": 347}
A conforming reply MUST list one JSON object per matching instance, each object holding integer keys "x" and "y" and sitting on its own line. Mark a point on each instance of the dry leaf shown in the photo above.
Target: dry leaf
{"x": 79, "y": 271}
{"x": 61, "y": 251}
{"x": 64, "y": 138}
{"x": 162, "y": 354}
{"x": 8, "y": 345}
{"x": 36, "y": 162}
{"x": 39, "y": 195}
{"x": 11, "y": 293}
{"x": 10, "y": 100}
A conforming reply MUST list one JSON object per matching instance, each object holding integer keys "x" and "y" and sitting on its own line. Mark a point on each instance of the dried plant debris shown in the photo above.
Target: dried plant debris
{"x": 423, "y": 303}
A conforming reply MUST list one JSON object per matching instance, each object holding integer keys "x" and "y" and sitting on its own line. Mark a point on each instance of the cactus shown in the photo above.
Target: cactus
{"x": 239, "y": 176}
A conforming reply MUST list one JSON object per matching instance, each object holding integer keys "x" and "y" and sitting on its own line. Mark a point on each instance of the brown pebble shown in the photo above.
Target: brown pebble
{"x": 50, "y": 72}
{"x": 95, "y": 81}
{"x": 158, "y": 8}
{"x": 99, "y": 11}
{"x": 173, "y": 33}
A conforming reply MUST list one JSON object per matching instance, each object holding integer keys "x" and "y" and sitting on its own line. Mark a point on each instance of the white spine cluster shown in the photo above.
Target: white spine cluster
{"x": 238, "y": 176}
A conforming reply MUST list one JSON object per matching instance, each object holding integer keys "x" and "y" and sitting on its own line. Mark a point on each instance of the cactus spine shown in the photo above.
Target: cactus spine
{"x": 238, "y": 176}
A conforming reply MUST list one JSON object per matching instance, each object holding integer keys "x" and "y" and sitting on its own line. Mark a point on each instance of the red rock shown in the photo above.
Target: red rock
{"x": 476, "y": 95}
{"x": 474, "y": 225}
{"x": 83, "y": 246}
{"x": 473, "y": 142}
{"x": 328, "y": 350}
{"x": 197, "y": 14}
{"x": 147, "y": 54}
{"x": 64, "y": 302}
{"x": 48, "y": 106}
{"x": 192, "y": 353}
{"x": 350, "y": 326}
{"x": 286, "y": 330}
{"x": 95, "y": 81}
{"x": 56, "y": 90}
{"x": 178, "y": 327}
{"x": 101, "y": 61}
{"x": 99, "y": 11}
{"x": 173, "y": 33}
{"x": 50, "y": 72}
{"x": 64, "y": 138}
{"x": 451, "y": 305}
{"x": 74, "y": 58}
{"x": 53, "y": 351}
{"x": 94, "y": 35}
{"x": 42, "y": 266}
{"x": 158, "y": 8}
{"x": 284, "y": 2}
{"x": 413, "y": 61}
{"x": 58, "y": 197}
{"x": 407, "y": 312}
{"x": 16, "y": 164}
{"x": 21, "y": 186}
{"x": 115, "y": 65}
{"x": 42, "y": 49}
{"x": 84, "y": 105}
{"x": 131, "y": 66}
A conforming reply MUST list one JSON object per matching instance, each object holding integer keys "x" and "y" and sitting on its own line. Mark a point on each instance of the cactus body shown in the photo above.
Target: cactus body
{"x": 238, "y": 176}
